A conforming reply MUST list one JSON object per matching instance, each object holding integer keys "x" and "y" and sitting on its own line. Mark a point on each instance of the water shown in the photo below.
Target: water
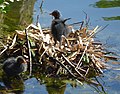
{"x": 99, "y": 14}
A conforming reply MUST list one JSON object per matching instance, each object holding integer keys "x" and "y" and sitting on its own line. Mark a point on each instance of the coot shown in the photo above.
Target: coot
{"x": 58, "y": 26}
{"x": 14, "y": 66}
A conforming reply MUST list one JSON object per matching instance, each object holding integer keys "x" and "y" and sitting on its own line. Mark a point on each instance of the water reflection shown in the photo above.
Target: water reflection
{"x": 53, "y": 85}
{"x": 13, "y": 84}
{"x": 47, "y": 85}
{"x": 54, "y": 88}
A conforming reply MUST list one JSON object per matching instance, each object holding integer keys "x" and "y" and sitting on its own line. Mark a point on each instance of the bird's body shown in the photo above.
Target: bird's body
{"x": 58, "y": 29}
{"x": 14, "y": 66}
{"x": 58, "y": 26}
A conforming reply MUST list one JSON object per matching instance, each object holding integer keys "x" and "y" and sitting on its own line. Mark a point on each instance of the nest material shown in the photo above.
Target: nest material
{"x": 78, "y": 55}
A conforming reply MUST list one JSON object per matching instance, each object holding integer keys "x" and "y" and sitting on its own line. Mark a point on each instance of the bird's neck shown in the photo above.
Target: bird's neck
{"x": 57, "y": 17}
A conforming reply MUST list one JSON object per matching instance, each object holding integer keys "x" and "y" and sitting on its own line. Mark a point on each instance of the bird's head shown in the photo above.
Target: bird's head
{"x": 56, "y": 14}
{"x": 21, "y": 60}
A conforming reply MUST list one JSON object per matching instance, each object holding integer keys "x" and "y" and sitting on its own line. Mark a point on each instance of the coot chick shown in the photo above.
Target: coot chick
{"x": 14, "y": 66}
{"x": 58, "y": 26}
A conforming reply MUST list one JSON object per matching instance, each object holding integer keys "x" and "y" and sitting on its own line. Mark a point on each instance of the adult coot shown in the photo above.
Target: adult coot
{"x": 14, "y": 66}
{"x": 58, "y": 26}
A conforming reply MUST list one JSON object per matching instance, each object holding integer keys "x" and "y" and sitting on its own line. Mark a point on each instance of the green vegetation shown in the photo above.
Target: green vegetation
{"x": 111, "y": 18}
{"x": 17, "y": 16}
{"x": 4, "y": 6}
{"x": 107, "y": 4}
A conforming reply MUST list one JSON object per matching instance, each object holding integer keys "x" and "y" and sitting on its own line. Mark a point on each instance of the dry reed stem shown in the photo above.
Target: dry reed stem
{"x": 78, "y": 65}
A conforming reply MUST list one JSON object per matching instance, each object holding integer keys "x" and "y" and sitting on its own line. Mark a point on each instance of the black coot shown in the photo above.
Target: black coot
{"x": 58, "y": 26}
{"x": 14, "y": 66}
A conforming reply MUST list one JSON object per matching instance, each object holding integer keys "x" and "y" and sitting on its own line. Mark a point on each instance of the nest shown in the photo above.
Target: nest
{"x": 77, "y": 56}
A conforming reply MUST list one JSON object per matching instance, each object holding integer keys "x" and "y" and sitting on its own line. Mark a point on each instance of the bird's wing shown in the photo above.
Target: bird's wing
{"x": 67, "y": 30}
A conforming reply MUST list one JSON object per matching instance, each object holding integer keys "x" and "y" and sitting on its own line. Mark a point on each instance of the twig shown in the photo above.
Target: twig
{"x": 76, "y": 70}
{"x": 94, "y": 63}
{"x": 4, "y": 49}
{"x": 43, "y": 54}
{"x": 87, "y": 19}
{"x": 96, "y": 29}
{"x": 87, "y": 72}
{"x": 102, "y": 29}
{"x": 14, "y": 41}
{"x": 62, "y": 65}
{"x": 41, "y": 32}
{"x": 102, "y": 88}
{"x": 63, "y": 37}
{"x": 29, "y": 49}
{"x": 81, "y": 25}
{"x": 3, "y": 44}
{"x": 80, "y": 74}
{"x": 82, "y": 55}
{"x": 111, "y": 57}
{"x": 75, "y": 23}
{"x": 71, "y": 63}
{"x": 41, "y": 6}
{"x": 37, "y": 20}
{"x": 66, "y": 20}
{"x": 68, "y": 61}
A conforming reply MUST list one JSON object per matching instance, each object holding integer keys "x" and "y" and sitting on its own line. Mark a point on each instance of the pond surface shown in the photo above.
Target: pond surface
{"x": 100, "y": 12}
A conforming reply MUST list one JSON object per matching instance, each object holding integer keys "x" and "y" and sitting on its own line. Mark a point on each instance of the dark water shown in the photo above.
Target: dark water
{"x": 101, "y": 13}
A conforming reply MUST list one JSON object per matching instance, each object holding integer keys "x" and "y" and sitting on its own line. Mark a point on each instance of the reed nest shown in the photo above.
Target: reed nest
{"x": 77, "y": 56}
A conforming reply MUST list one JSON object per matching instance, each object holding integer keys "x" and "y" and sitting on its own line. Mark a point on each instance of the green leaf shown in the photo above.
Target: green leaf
{"x": 86, "y": 58}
